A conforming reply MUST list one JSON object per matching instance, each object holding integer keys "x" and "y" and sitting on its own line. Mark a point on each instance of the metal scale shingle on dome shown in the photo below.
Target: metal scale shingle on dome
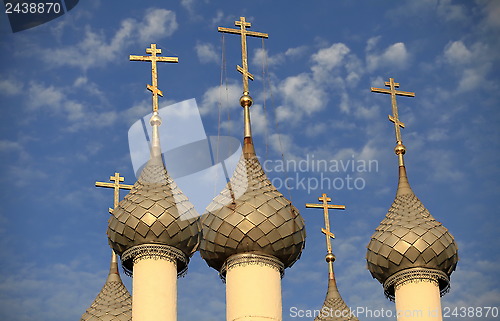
{"x": 113, "y": 303}
{"x": 334, "y": 308}
{"x": 250, "y": 215}
{"x": 259, "y": 219}
{"x": 409, "y": 242}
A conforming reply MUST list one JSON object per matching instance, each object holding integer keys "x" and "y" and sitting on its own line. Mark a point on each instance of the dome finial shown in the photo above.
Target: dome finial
{"x": 245, "y": 100}
{"x": 334, "y": 308}
{"x": 330, "y": 258}
{"x": 409, "y": 245}
{"x": 154, "y": 75}
{"x": 116, "y": 186}
{"x": 155, "y": 120}
{"x": 400, "y": 149}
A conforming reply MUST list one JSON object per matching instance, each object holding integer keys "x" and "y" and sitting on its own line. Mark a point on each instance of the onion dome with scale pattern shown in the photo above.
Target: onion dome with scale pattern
{"x": 334, "y": 308}
{"x": 250, "y": 215}
{"x": 155, "y": 212}
{"x": 409, "y": 244}
{"x": 114, "y": 302}
{"x": 409, "y": 237}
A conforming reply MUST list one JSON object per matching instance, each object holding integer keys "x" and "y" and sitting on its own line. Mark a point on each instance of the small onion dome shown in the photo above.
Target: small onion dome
{"x": 155, "y": 212}
{"x": 251, "y": 216}
{"x": 334, "y": 308}
{"x": 409, "y": 237}
{"x": 114, "y": 302}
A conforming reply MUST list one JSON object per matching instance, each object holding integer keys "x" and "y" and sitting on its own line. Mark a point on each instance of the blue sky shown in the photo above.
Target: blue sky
{"x": 69, "y": 95}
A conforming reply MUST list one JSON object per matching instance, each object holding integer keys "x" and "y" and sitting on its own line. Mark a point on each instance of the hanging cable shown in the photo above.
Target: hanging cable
{"x": 276, "y": 124}
{"x": 219, "y": 105}
{"x": 264, "y": 88}
{"x": 223, "y": 80}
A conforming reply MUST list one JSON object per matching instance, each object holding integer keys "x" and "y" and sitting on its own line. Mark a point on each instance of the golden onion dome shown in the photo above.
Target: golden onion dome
{"x": 251, "y": 216}
{"x": 155, "y": 211}
{"x": 410, "y": 237}
{"x": 114, "y": 302}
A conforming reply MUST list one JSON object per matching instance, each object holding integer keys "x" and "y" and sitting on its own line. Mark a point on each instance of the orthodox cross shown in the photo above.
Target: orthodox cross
{"x": 325, "y": 206}
{"x": 116, "y": 185}
{"x": 243, "y": 24}
{"x": 393, "y": 92}
{"x": 154, "y": 75}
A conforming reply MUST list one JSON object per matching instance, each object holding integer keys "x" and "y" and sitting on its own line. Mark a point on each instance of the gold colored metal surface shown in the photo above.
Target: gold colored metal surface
{"x": 400, "y": 148}
{"x": 117, "y": 186}
{"x": 410, "y": 237}
{"x": 114, "y": 302}
{"x": 245, "y": 100}
{"x": 243, "y": 24}
{"x": 154, "y": 74}
{"x": 154, "y": 212}
{"x": 326, "y": 230}
{"x": 259, "y": 220}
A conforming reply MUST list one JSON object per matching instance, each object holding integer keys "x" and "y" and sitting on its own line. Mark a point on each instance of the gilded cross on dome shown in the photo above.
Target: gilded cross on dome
{"x": 243, "y": 24}
{"x": 393, "y": 92}
{"x": 116, "y": 186}
{"x": 326, "y": 230}
{"x": 154, "y": 75}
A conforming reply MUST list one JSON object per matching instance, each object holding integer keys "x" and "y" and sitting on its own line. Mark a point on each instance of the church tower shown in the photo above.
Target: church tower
{"x": 114, "y": 302}
{"x": 334, "y": 308}
{"x": 251, "y": 232}
{"x": 155, "y": 229}
{"x": 411, "y": 254}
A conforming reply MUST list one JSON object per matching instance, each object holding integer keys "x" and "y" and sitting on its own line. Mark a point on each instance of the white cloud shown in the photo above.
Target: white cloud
{"x": 51, "y": 292}
{"x": 261, "y": 57}
{"x": 40, "y": 95}
{"x": 281, "y": 143}
{"x": 303, "y": 95}
{"x": 218, "y": 17}
{"x": 23, "y": 175}
{"x": 232, "y": 127}
{"x": 444, "y": 166}
{"x": 491, "y": 9}
{"x": 188, "y": 4}
{"x": 7, "y": 146}
{"x": 471, "y": 284}
{"x": 329, "y": 58}
{"x": 457, "y": 53}
{"x": 220, "y": 97}
{"x": 55, "y": 100}
{"x": 437, "y": 134}
{"x": 431, "y": 10}
{"x": 395, "y": 55}
{"x": 472, "y": 63}
{"x": 95, "y": 49}
{"x": 472, "y": 78}
{"x": 157, "y": 24}
{"x": 333, "y": 69}
{"x": 10, "y": 87}
{"x": 372, "y": 43}
{"x": 367, "y": 112}
{"x": 137, "y": 111}
{"x": 206, "y": 52}
{"x": 296, "y": 52}
{"x": 316, "y": 130}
